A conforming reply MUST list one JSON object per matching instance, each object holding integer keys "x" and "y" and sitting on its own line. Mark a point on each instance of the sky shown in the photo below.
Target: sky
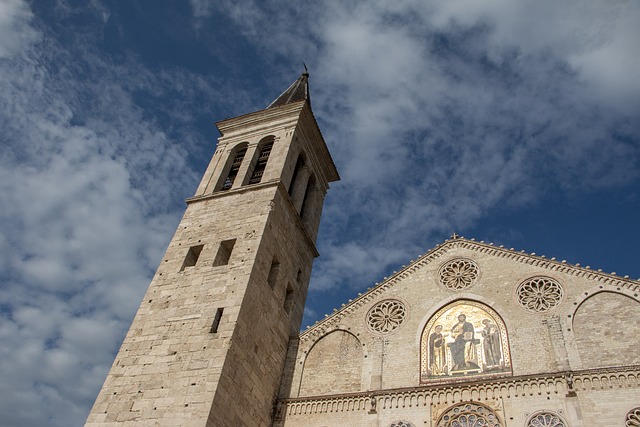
{"x": 516, "y": 123}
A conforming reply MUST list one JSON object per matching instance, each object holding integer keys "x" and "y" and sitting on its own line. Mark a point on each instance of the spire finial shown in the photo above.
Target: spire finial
{"x": 306, "y": 70}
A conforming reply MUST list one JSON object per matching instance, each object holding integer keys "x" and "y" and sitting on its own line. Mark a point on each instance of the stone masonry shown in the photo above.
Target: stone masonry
{"x": 208, "y": 343}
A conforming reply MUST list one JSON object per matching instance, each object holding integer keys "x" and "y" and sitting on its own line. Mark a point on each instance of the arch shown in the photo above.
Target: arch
{"x": 261, "y": 158}
{"x": 464, "y": 338}
{"x": 401, "y": 424}
{"x": 546, "y": 419}
{"x": 606, "y": 331}
{"x": 333, "y": 365}
{"x": 232, "y": 166}
{"x": 469, "y": 414}
{"x": 299, "y": 180}
{"x": 632, "y": 418}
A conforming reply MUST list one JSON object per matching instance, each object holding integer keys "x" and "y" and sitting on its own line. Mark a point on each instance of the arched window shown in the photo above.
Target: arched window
{"x": 469, "y": 414}
{"x": 306, "y": 201}
{"x": 633, "y": 418}
{"x": 296, "y": 174}
{"x": 238, "y": 156}
{"x": 546, "y": 419}
{"x": 261, "y": 163}
{"x": 401, "y": 424}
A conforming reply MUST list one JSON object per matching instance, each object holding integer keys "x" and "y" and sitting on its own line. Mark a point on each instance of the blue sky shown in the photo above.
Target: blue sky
{"x": 516, "y": 123}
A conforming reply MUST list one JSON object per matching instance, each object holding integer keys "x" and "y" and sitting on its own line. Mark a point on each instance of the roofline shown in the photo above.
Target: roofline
{"x": 461, "y": 242}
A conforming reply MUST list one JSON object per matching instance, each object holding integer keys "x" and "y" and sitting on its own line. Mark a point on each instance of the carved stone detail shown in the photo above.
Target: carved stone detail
{"x": 539, "y": 294}
{"x": 633, "y": 418}
{"x": 546, "y": 419}
{"x": 458, "y": 274}
{"x": 469, "y": 415}
{"x": 485, "y": 390}
{"x": 439, "y": 251}
{"x": 386, "y": 316}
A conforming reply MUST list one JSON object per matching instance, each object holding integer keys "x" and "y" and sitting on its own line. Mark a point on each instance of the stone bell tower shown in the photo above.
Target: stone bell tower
{"x": 208, "y": 343}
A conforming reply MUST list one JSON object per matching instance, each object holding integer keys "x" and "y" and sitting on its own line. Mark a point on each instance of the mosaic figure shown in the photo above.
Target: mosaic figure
{"x": 437, "y": 354}
{"x": 463, "y": 348}
{"x": 464, "y": 338}
{"x": 491, "y": 343}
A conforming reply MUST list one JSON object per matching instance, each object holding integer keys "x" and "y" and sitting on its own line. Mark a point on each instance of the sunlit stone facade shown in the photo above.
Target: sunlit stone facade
{"x": 469, "y": 334}
{"x": 488, "y": 337}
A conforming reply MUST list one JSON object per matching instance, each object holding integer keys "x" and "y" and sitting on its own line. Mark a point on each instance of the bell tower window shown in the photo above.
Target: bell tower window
{"x": 261, "y": 163}
{"x": 235, "y": 167}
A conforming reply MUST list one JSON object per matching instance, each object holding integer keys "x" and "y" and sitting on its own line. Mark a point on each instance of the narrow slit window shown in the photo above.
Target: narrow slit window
{"x": 235, "y": 167}
{"x": 273, "y": 273}
{"x": 216, "y": 321}
{"x": 261, "y": 164}
{"x": 192, "y": 257}
{"x": 288, "y": 299}
{"x": 224, "y": 253}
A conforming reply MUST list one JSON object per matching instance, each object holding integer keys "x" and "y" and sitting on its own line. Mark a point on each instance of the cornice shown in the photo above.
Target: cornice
{"x": 567, "y": 383}
{"x": 248, "y": 123}
{"x": 331, "y": 320}
{"x": 256, "y": 187}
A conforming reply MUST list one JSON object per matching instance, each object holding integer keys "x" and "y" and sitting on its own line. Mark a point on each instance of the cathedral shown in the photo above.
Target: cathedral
{"x": 468, "y": 335}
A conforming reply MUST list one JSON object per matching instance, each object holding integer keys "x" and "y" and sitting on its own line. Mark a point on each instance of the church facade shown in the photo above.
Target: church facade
{"x": 469, "y": 334}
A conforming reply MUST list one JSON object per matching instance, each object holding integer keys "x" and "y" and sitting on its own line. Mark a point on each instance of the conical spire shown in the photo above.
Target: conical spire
{"x": 298, "y": 91}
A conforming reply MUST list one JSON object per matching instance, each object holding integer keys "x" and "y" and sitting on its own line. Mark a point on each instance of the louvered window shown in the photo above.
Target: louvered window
{"x": 261, "y": 164}
{"x": 235, "y": 167}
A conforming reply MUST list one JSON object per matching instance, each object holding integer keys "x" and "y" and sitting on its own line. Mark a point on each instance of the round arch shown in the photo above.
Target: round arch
{"x": 471, "y": 414}
{"x": 333, "y": 364}
{"x": 462, "y": 339}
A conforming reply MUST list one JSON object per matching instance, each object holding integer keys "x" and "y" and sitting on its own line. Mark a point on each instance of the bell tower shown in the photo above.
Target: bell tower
{"x": 208, "y": 343}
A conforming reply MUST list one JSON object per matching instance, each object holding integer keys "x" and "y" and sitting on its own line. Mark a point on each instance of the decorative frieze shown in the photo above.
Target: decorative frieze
{"x": 561, "y": 383}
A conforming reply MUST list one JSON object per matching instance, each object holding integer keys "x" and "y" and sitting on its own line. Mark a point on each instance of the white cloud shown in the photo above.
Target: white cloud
{"x": 88, "y": 185}
{"x": 439, "y": 112}
{"x": 15, "y": 31}
{"x": 435, "y": 113}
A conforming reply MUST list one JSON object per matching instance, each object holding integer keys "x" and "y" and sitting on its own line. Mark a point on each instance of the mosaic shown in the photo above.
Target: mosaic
{"x": 464, "y": 338}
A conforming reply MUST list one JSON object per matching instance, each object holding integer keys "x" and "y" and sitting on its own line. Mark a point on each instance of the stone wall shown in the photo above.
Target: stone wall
{"x": 552, "y": 319}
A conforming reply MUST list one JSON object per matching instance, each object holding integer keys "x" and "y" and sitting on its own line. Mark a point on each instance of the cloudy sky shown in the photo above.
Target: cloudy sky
{"x": 516, "y": 123}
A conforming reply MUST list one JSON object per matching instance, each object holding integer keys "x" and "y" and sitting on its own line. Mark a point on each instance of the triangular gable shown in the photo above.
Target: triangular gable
{"x": 332, "y": 320}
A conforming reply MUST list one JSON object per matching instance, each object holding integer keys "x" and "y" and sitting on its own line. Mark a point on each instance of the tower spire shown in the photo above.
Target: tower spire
{"x": 298, "y": 91}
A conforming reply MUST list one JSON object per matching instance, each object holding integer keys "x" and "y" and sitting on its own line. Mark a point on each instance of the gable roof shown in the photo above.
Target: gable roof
{"x": 456, "y": 241}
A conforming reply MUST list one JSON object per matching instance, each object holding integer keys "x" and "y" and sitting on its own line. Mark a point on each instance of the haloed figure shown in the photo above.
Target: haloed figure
{"x": 436, "y": 352}
{"x": 463, "y": 347}
{"x": 491, "y": 343}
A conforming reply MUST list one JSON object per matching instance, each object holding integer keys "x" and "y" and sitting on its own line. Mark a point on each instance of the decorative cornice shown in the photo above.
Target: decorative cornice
{"x": 321, "y": 327}
{"x": 567, "y": 383}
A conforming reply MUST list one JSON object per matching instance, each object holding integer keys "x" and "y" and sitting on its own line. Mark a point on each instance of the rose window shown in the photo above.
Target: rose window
{"x": 401, "y": 424}
{"x": 386, "y": 316}
{"x": 458, "y": 274}
{"x": 539, "y": 294}
{"x": 546, "y": 420}
{"x": 469, "y": 415}
{"x": 633, "y": 418}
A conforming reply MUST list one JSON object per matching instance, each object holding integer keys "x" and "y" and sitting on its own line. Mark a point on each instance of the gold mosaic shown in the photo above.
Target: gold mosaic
{"x": 464, "y": 338}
